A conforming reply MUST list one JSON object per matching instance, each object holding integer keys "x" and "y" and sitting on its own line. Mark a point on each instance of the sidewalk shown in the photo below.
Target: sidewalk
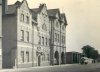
{"x": 17, "y": 69}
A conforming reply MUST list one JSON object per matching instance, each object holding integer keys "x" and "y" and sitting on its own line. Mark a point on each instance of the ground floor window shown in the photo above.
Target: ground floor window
{"x": 48, "y": 57}
{"x": 22, "y": 56}
{"x": 27, "y": 56}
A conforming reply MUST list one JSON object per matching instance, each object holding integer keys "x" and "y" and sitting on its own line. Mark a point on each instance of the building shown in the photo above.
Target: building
{"x": 41, "y": 36}
{"x": 32, "y": 37}
{"x": 73, "y": 57}
{"x": 57, "y": 36}
{"x": 17, "y": 36}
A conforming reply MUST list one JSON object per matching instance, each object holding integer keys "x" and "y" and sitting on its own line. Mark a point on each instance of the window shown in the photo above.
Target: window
{"x": 63, "y": 28}
{"x": 58, "y": 37}
{"x": 22, "y": 56}
{"x": 44, "y": 27}
{"x": 48, "y": 57}
{"x": 62, "y": 39}
{"x": 22, "y": 35}
{"x": 27, "y": 56}
{"x": 43, "y": 40}
{"x": 55, "y": 36}
{"x": 39, "y": 39}
{"x": 57, "y": 24}
{"x": 27, "y": 19}
{"x": 46, "y": 41}
{"x": 44, "y": 57}
{"x": 27, "y": 36}
{"x": 22, "y": 18}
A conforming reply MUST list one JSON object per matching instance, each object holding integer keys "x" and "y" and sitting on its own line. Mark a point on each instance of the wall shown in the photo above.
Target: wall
{"x": 9, "y": 40}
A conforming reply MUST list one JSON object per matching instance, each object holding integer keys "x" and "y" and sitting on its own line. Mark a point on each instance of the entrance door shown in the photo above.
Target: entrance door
{"x": 39, "y": 60}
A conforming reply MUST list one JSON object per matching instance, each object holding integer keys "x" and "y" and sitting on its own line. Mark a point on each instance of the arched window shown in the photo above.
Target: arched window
{"x": 44, "y": 27}
{"x": 63, "y": 27}
{"x": 22, "y": 18}
{"x": 57, "y": 24}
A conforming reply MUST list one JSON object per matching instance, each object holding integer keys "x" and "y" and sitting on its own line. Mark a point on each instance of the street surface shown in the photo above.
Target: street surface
{"x": 62, "y": 68}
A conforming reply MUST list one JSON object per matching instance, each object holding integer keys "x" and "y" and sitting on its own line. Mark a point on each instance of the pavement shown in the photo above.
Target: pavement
{"x": 59, "y": 68}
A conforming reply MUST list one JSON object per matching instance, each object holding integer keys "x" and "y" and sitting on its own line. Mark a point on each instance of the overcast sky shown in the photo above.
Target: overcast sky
{"x": 83, "y": 18}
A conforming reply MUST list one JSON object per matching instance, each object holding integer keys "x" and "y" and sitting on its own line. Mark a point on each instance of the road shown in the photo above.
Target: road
{"x": 61, "y": 68}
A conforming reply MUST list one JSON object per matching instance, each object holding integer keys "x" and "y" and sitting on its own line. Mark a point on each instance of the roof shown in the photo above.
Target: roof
{"x": 63, "y": 16}
{"x": 35, "y": 11}
{"x": 12, "y": 8}
{"x": 52, "y": 12}
{"x": 34, "y": 14}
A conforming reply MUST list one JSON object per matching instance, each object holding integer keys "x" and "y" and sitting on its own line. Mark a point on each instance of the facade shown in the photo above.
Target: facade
{"x": 32, "y": 37}
{"x": 57, "y": 36}
{"x": 41, "y": 36}
{"x": 17, "y": 32}
{"x": 73, "y": 57}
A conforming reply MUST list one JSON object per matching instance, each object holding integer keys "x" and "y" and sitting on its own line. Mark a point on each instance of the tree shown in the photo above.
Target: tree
{"x": 95, "y": 54}
{"x": 87, "y": 51}
{"x": 90, "y": 52}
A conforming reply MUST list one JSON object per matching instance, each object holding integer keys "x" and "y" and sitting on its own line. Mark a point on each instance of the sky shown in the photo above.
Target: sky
{"x": 83, "y": 17}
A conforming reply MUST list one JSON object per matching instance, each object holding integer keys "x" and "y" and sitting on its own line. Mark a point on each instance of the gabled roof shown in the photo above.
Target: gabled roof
{"x": 53, "y": 12}
{"x": 34, "y": 14}
{"x": 63, "y": 16}
{"x": 12, "y": 8}
{"x": 36, "y": 11}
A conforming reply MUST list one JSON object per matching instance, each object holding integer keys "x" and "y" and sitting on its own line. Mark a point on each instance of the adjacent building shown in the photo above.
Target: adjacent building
{"x": 57, "y": 36}
{"x": 73, "y": 57}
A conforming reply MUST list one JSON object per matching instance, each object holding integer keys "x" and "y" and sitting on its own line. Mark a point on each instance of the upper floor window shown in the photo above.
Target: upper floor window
{"x": 27, "y": 36}
{"x": 43, "y": 40}
{"x": 55, "y": 36}
{"x": 27, "y": 19}
{"x": 27, "y": 56}
{"x": 22, "y": 35}
{"x": 22, "y": 18}
{"x": 46, "y": 41}
{"x": 44, "y": 27}
{"x": 58, "y": 37}
{"x": 39, "y": 39}
{"x": 63, "y": 27}
{"x": 64, "y": 40}
{"x": 57, "y": 24}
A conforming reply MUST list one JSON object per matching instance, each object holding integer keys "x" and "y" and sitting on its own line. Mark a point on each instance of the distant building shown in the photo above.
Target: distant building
{"x": 73, "y": 57}
{"x": 57, "y": 36}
